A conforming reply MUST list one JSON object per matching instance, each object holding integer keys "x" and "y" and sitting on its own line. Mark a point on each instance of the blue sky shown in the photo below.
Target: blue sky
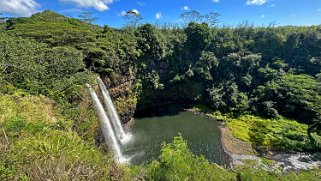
{"x": 258, "y": 12}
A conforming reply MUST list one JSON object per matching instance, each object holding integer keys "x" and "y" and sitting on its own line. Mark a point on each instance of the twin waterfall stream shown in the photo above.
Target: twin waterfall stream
{"x": 109, "y": 122}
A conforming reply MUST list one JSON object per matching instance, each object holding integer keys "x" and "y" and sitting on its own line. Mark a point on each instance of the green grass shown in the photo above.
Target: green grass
{"x": 250, "y": 172}
{"x": 57, "y": 155}
{"x": 267, "y": 161}
{"x": 271, "y": 134}
{"x": 34, "y": 145}
{"x": 240, "y": 129}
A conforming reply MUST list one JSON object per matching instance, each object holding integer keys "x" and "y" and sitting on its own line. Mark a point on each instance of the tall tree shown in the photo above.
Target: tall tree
{"x": 211, "y": 19}
{"x": 198, "y": 38}
{"x": 87, "y": 17}
{"x": 132, "y": 18}
{"x": 196, "y": 17}
{"x": 191, "y": 16}
{"x": 2, "y": 18}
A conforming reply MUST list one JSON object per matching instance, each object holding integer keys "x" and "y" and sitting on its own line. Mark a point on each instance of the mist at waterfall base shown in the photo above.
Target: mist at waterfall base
{"x": 143, "y": 141}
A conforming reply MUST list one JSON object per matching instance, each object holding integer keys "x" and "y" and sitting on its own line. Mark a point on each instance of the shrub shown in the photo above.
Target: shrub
{"x": 178, "y": 163}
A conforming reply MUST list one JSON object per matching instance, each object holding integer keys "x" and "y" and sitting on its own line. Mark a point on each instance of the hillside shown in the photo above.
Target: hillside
{"x": 53, "y": 29}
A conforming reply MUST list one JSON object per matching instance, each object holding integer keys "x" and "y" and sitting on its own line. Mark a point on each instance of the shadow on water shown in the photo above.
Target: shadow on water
{"x": 154, "y": 126}
{"x": 164, "y": 110}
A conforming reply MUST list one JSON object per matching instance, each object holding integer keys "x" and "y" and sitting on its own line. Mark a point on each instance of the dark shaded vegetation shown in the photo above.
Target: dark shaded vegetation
{"x": 272, "y": 72}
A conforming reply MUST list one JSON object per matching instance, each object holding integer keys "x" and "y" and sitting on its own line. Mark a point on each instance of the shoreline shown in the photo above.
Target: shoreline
{"x": 238, "y": 151}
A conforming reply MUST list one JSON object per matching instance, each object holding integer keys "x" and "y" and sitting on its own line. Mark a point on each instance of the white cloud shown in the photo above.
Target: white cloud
{"x": 135, "y": 11}
{"x": 159, "y": 15}
{"x": 140, "y": 3}
{"x": 71, "y": 11}
{"x": 256, "y": 2}
{"x": 123, "y": 13}
{"x": 186, "y": 8}
{"x": 216, "y": 1}
{"x": 100, "y": 5}
{"x": 19, "y": 7}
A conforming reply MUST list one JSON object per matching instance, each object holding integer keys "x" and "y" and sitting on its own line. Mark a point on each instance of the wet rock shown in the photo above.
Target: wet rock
{"x": 297, "y": 161}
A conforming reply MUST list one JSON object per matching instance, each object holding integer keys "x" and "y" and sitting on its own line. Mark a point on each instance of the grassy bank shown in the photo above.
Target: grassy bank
{"x": 271, "y": 134}
{"x": 279, "y": 134}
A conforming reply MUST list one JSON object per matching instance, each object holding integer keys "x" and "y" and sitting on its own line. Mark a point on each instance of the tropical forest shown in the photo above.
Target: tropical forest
{"x": 189, "y": 100}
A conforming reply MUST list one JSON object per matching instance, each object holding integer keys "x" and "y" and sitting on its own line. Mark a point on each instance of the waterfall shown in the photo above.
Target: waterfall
{"x": 105, "y": 127}
{"x": 112, "y": 113}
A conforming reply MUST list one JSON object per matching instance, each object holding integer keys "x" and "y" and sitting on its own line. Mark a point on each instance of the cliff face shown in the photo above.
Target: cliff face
{"x": 180, "y": 93}
{"x": 131, "y": 91}
{"x": 123, "y": 90}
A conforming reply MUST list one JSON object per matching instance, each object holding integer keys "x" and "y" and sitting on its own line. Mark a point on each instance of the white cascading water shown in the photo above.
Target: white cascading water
{"x": 113, "y": 116}
{"x": 106, "y": 128}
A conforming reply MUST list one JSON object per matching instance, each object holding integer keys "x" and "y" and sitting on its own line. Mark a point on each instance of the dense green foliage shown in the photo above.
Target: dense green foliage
{"x": 34, "y": 67}
{"x": 277, "y": 134}
{"x": 49, "y": 130}
{"x": 295, "y": 96}
{"x": 178, "y": 163}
